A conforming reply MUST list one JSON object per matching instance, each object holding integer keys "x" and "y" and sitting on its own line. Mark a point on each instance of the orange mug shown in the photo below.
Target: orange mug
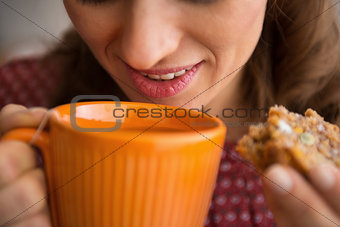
{"x": 151, "y": 172}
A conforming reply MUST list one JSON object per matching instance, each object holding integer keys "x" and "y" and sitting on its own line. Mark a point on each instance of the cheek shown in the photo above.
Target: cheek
{"x": 96, "y": 26}
{"x": 234, "y": 22}
{"x": 248, "y": 14}
{"x": 249, "y": 20}
{"x": 251, "y": 27}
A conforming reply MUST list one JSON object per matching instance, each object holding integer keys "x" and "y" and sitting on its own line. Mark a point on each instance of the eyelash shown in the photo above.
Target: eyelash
{"x": 93, "y": 1}
{"x": 193, "y": 1}
{"x": 201, "y": 1}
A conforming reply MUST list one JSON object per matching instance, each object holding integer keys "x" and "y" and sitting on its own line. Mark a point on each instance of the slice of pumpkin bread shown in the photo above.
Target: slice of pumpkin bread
{"x": 292, "y": 139}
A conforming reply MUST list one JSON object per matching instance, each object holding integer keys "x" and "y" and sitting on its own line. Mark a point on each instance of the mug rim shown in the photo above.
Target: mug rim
{"x": 210, "y": 132}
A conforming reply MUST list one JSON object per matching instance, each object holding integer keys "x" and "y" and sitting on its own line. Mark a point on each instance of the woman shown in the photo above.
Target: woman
{"x": 245, "y": 54}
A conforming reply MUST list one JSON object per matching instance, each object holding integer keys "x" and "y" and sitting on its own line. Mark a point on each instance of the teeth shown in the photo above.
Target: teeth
{"x": 180, "y": 73}
{"x": 168, "y": 76}
{"x": 155, "y": 77}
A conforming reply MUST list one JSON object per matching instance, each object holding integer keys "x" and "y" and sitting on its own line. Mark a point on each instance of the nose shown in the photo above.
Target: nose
{"x": 148, "y": 35}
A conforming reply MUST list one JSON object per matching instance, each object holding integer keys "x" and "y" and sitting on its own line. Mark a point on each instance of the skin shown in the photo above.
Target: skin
{"x": 21, "y": 182}
{"x": 123, "y": 31}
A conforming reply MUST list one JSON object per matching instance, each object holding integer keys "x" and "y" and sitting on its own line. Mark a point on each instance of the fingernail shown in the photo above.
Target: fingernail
{"x": 279, "y": 180}
{"x": 323, "y": 176}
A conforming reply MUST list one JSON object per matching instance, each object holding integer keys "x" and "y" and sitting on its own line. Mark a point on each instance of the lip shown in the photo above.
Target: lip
{"x": 165, "y": 88}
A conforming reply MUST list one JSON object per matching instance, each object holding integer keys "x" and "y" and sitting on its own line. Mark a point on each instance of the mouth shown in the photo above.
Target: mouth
{"x": 165, "y": 82}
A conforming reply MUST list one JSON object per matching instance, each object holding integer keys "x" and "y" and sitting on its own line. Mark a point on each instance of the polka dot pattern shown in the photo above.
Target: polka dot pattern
{"x": 27, "y": 82}
{"x": 238, "y": 198}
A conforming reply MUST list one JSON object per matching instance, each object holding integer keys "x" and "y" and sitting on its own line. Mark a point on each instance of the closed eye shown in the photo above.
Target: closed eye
{"x": 201, "y": 1}
{"x": 192, "y": 1}
{"x": 93, "y": 1}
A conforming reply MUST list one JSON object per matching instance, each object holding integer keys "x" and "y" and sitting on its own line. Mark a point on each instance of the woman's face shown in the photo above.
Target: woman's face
{"x": 165, "y": 38}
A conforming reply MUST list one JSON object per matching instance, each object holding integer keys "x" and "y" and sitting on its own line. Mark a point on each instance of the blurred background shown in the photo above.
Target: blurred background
{"x": 20, "y": 37}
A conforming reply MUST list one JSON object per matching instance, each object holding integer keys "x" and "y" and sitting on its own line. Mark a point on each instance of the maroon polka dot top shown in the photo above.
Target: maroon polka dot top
{"x": 238, "y": 197}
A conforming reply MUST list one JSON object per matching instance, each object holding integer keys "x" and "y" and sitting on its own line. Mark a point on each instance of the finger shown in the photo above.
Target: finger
{"x": 293, "y": 201}
{"x": 40, "y": 220}
{"x": 16, "y": 158}
{"x": 24, "y": 118}
{"x": 24, "y": 198}
{"x": 11, "y": 108}
{"x": 326, "y": 179}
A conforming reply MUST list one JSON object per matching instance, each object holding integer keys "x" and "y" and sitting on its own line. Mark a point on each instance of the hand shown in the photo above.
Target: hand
{"x": 299, "y": 203}
{"x": 22, "y": 184}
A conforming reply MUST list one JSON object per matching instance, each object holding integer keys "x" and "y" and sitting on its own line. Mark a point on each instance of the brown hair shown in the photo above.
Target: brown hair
{"x": 296, "y": 62}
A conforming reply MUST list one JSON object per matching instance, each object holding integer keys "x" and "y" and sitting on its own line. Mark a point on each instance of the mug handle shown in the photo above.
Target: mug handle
{"x": 26, "y": 135}
{"x": 42, "y": 141}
